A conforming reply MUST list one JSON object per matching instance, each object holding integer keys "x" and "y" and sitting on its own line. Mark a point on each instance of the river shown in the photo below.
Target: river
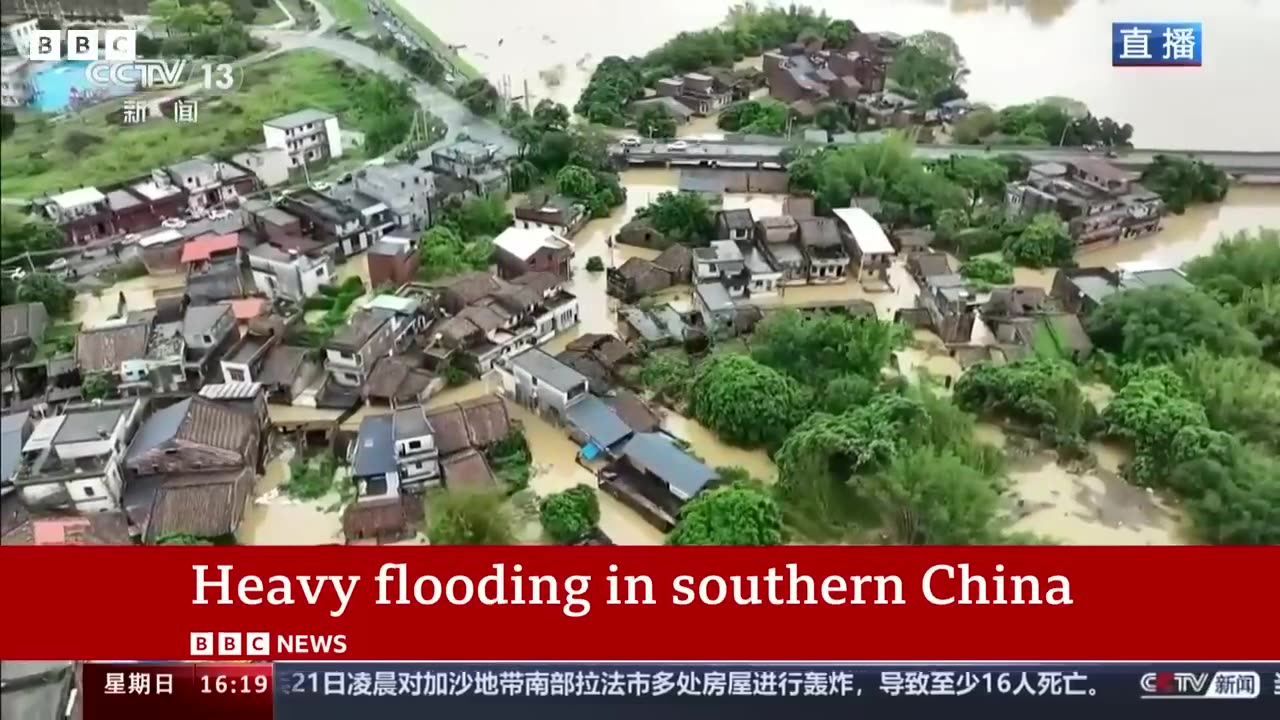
{"x": 1017, "y": 50}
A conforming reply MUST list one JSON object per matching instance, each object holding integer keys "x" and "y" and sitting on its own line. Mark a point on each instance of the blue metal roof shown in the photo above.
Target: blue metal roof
{"x": 592, "y": 416}
{"x": 375, "y": 447}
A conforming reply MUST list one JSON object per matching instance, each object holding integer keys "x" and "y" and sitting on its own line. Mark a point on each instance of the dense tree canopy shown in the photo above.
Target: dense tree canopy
{"x": 57, "y": 297}
{"x": 1160, "y": 323}
{"x": 816, "y": 349}
{"x": 929, "y": 66}
{"x": 1044, "y": 242}
{"x": 932, "y": 497}
{"x": 1182, "y": 182}
{"x": 655, "y": 122}
{"x": 1237, "y": 263}
{"x": 614, "y": 84}
{"x": 737, "y": 514}
{"x": 21, "y": 233}
{"x": 469, "y": 518}
{"x": 987, "y": 271}
{"x": 549, "y": 145}
{"x": 745, "y": 402}
{"x": 570, "y": 515}
{"x": 443, "y": 253}
{"x": 576, "y": 182}
{"x": 684, "y": 217}
{"x": 1038, "y": 394}
{"x": 755, "y": 117}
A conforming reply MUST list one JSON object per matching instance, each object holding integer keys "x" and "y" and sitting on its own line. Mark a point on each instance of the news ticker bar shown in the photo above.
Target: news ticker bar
{"x": 567, "y": 691}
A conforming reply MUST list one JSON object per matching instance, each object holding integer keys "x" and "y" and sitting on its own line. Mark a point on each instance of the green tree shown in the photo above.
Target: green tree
{"x": 479, "y": 96}
{"x": 988, "y": 271}
{"x": 614, "y": 84}
{"x": 755, "y": 117}
{"x": 1182, "y": 182}
{"x": 469, "y": 518}
{"x": 95, "y": 385}
{"x": 166, "y": 11}
{"x": 681, "y": 216}
{"x": 1044, "y": 243}
{"x": 479, "y": 217}
{"x": 1240, "y": 395}
{"x": 595, "y": 264}
{"x": 737, "y": 514}
{"x": 183, "y": 539}
{"x": 928, "y": 64}
{"x": 1160, "y": 323}
{"x": 442, "y": 253}
{"x": 550, "y": 115}
{"x": 1259, "y": 312}
{"x": 1248, "y": 259}
{"x": 57, "y": 297}
{"x": 818, "y": 348}
{"x": 984, "y": 178}
{"x": 576, "y": 182}
{"x": 7, "y": 124}
{"x": 21, "y": 234}
{"x": 839, "y": 33}
{"x": 1042, "y": 394}
{"x": 932, "y": 497}
{"x": 745, "y": 402}
{"x": 570, "y": 515}
{"x": 668, "y": 377}
{"x": 975, "y": 126}
{"x": 833, "y": 117}
{"x": 653, "y": 121}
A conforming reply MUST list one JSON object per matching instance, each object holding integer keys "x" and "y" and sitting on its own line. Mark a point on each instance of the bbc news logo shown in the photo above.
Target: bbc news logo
{"x": 1156, "y": 44}
{"x": 230, "y": 644}
{"x": 1221, "y": 685}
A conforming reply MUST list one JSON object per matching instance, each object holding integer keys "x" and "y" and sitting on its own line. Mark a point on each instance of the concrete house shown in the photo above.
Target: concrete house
{"x": 778, "y": 238}
{"x": 528, "y": 311}
{"x": 408, "y": 192}
{"x": 952, "y": 306}
{"x": 538, "y": 381}
{"x": 824, "y": 251}
{"x": 482, "y": 167}
{"x": 713, "y": 303}
{"x": 721, "y": 260}
{"x": 697, "y": 91}
{"x": 350, "y": 227}
{"x": 869, "y": 246}
{"x": 417, "y": 457}
{"x": 393, "y": 260}
{"x": 14, "y": 431}
{"x": 352, "y": 352}
{"x": 796, "y": 75}
{"x": 271, "y": 165}
{"x": 407, "y": 316}
{"x": 310, "y": 137}
{"x": 209, "y": 184}
{"x": 289, "y": 275}
{"x": 82, "y": 214}
{"x": 765, "y": 277}
{"x": 374, "y": 469}
{"x": 73, "y": 460}
{"x": 106, "y": 349}
{"x": 557, "y": 213}
{"x": 1098, "y": 201}
{"x": 21, "y": 330}
{"x": 737, "y": 225}
{"x": 521, "y": 250}
{"x": 283, "y": 371}
{"x": 1082, "y": 290}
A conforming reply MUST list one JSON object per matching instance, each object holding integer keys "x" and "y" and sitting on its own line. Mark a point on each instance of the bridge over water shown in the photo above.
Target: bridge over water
{"x": 1262, "y": 167}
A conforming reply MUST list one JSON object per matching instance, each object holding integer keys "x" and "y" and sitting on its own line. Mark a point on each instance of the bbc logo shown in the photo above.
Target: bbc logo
{"x": 230, "y": 644}
{"x": 112, "y": 44}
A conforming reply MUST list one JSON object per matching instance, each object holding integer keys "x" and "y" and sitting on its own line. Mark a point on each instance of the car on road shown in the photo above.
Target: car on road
{"x": 59, "y": 264}
{"x": 1113, "y": 154}
{"x": 678, "y": 146}
{"x": 632, "y": 141}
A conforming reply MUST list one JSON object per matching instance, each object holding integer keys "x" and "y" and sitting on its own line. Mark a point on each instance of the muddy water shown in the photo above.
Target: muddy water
{"x": 1062, "y": 48}
{"x": 275, "y": 519}
{"x": 555, "y": 468}
{"x": 716, "y": 453}
{"x": 93, "y": 309}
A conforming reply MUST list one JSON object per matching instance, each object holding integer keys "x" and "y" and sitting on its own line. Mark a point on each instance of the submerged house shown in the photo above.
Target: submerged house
{"x": 655, "y": 477}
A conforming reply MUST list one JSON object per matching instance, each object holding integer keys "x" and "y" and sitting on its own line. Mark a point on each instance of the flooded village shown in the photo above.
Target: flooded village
{"x": 286, "y": 361}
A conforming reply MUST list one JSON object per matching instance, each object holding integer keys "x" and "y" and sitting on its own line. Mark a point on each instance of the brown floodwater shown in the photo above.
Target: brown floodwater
{"x": 276, "y": 519}
{"x": 1017, "y": 51}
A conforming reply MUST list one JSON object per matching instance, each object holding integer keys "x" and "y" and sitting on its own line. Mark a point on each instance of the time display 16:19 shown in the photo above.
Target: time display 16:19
{"x": 223, "y": 684}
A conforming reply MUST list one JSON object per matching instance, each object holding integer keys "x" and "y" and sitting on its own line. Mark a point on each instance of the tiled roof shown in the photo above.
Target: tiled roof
{"x": 467, "y": 472}
{"x": 205, "y": 246}
{"x": 103, "y": 349}
{"x": 202, "y": 504}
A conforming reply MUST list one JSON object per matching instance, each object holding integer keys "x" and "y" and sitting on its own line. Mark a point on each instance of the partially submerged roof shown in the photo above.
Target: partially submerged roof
{"x": 714, "y": 296}
{"x": 103, "y": 349}
{"x": 599, "y": 421}
{"x": 524, "y": 242}
{"x": 299, "y": 118}
{"x": 865, "y": 230}
{"x": 196, "y": 420}
{"x": 468, "y": 471}
{"x": 658, "y": 454}
{"x": 548, "y": 370}
{"x": 360, "y": 327}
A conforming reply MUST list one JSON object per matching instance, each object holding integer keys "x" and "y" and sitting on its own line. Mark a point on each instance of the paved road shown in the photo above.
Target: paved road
{"x": 723, "y": 152}
{"x": 436, "y": 101}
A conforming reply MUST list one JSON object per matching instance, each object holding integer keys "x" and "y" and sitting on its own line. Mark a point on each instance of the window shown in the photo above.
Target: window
{"x": 235, "y": 375}
{"x": 415, "y": 444}
{"x": 207, "y": 339}
{"x": 88, "y": 491}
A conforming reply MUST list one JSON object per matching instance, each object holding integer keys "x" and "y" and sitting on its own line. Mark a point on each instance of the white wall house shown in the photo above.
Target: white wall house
{"x": 417, "y": 457}
{"x": 289, "y": 275}
{"x": 535, "y": 379}
{"x": 269, "y": 164}
{"x": 309, "y": 136}
{"x": 73, "y": 460}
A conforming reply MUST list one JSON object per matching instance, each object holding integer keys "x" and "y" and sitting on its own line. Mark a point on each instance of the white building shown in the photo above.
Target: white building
{"x": 75, "y": 205}
{"x": 417, "y": 457}
{"x": 536, "y": 380}
{"x": 870, "y": 246}
{"x": 18, "y": 36}
{"x": 269, "y": 164}
{"x": 73, "y": 460}
{"x": 309, "y": 136}
{"x": 289, "y": 275}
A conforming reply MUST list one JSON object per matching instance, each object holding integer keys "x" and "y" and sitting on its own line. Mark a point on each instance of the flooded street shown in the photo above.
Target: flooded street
{"x": 1070, "y": 43}
{"x": 275, "y": 519}
{"x": 93, "y": 309}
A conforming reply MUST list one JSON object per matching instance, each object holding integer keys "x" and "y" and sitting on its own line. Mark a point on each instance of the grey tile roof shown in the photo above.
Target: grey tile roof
{"x": 11, "y": 443}
{"x": 715, "y": 296}
{"x": 410, "y": 422}
{"x": 658, "y": 454}
{"x": 89, "y": 424}
{"x": 162, "y": 426}
{"x": 595, "y": 418}
{"x": 376, "y": 447}
{"x": 548, "y": 370}
{"x": 201, "y": 319}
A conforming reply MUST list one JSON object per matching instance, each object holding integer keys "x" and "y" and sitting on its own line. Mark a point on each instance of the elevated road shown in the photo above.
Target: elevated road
{"x": 757, "y": 153}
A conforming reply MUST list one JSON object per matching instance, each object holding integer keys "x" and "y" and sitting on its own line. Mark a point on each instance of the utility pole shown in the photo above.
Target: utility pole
{"x": 528, "y": 110}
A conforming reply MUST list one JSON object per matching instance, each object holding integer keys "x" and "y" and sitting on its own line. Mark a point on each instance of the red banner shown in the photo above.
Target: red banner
{"x": 632, "y": 603}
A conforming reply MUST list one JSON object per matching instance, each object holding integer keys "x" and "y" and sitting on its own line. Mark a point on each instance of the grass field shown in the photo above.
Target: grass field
{"x": 44, "y": 156}
{"x": 269, "y": 15}
{"x": 350, "y": 12}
